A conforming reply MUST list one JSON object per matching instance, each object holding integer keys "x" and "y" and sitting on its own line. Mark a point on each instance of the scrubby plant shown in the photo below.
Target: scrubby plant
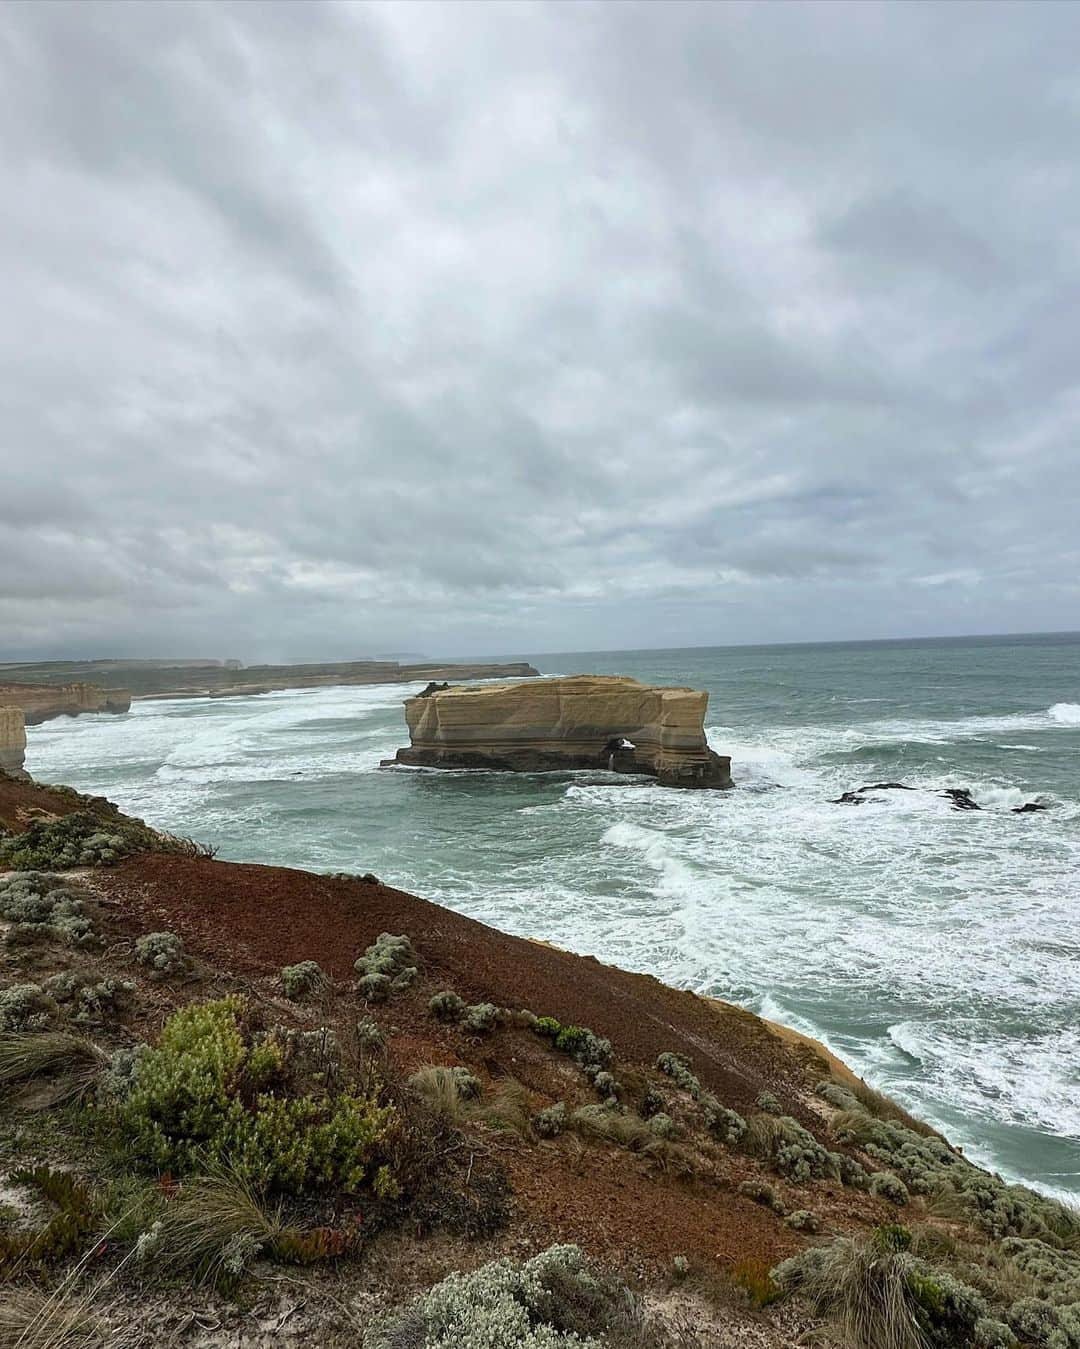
{"x": 585, "y": 1047}
{"x": 726, "y": 1125}
{"x": 67, "y": 1066}
{"x": 446, "y": 1006}
{"x": 879, "y": 1297}
{"x": 206, "y": 1095}
{"x": 553, "y": 1301}
{"x": 42, "y": 907}
{"x": 891, "y": 1237}
{"x": 479, "y": 1018}
{"x": 663, "y": 1126}
{"x": 680, "y": 1268}
{"x": 26, "y": 1007}
{"x": 791, "y": 1149}
{"x": 163, "y": 954}
{"x": 388, "y": 966}
{"x": 652, "y": 1103}
{"x": 838, "y": 1095}
{"x": 369, "y": 1035}
{"x": 603, "y": 1123}
{"x": 455, "y": 1096}
{"x": 884, "y": 1185}
{"x": 75, "y": 840}
{"x": 753, "y": 1276}
{"x": 761, "y": 1192}
{"x": 803, "y": 1220}
{"x": 1044, "y": 1324}
{"x": 550, "y": 1122}
{"x": 767, "y": 1102}
{"x": 306, "y": 979}
{"x": 851, "y": 1172}
{"x": 89, "y": 1003}
{"x": 547, "y": 1026}
{"x": 992, "y": 1334}
{"x": 677, "y": 1067}
{"x": 607, "y": 1086}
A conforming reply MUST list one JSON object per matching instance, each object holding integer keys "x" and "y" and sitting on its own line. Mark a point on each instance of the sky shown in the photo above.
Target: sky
{"x": 334, "y": 329}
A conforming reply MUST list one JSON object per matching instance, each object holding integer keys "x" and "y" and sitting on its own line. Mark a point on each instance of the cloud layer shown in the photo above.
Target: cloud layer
{"x": 341, "y": 328}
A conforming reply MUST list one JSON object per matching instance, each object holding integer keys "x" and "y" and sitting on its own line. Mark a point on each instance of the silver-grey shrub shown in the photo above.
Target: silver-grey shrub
{"x": 303, "y": 980}
{"x": 553, "y": 1301}
{"x": 163, "y": 954}
{"x": 388, "y": 966}
{"x": 26, "y": 1007}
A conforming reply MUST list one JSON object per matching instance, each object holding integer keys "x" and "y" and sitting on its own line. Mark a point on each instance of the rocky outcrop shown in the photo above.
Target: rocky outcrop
{"x": 581, "y": 721}
{"x": 13, "y": 743}
{"x": 41, "y": 702}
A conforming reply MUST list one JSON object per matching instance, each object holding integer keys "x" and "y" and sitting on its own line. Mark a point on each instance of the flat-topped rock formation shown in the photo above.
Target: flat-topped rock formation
{"x": 12, "y": 743}
{"x": 41, "y": 702}
{"x": 580, "y": 721}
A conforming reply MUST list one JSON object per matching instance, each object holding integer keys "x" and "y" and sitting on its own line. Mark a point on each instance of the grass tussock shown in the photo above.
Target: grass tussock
{"x": 33, "y": 1320}
{"x": 59, "y": 1066}
{"x": 455, "y": 1097}
{"x": 599, "y": 1123}
{"x": 214, "y": 1228}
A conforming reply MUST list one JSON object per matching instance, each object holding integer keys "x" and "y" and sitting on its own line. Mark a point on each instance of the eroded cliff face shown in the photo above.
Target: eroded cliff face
{"x": 12, "y": 743}
{"x": 41, "y": 702}
{"x": 573, "y": 722}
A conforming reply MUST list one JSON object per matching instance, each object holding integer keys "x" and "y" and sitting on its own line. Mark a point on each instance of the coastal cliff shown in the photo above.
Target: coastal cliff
{"x": 42, "y": 702}
{"x": 580, "y": 721}
{"x": 12, "y": 742}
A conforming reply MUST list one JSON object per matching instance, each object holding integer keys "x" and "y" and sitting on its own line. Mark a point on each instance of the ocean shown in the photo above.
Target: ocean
{"x": 936, "y": 950}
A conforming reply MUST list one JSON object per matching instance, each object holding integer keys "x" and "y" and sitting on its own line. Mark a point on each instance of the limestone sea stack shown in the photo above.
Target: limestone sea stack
{"x": 577, "y": 721}
{"x": 13, "y": 743}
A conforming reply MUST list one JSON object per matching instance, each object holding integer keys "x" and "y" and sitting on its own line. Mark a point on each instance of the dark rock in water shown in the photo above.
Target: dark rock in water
{"x": 849, "y": 799}
{"x": 432, "y": 688}
{"x": 961, "y": 798}
{"x": 887, "y": 787}
{"x": 1029, "y": 807}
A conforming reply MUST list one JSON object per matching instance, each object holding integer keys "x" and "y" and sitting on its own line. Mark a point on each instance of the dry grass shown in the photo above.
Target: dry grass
{"x": 865, "y": 1293}
{"x": 60, "y": 1067}
{"x": 505, "y": 1106}
{"x": 596, "y": 1123}
{"x": 214, "y": 1227}
{"x": 880, "y": 1107}
{"x": 764, "y": 1133}
{"x": 32, "y": 1320}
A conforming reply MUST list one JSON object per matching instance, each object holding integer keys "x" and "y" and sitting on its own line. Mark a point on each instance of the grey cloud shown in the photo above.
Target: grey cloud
{"x": 475, "y": 328}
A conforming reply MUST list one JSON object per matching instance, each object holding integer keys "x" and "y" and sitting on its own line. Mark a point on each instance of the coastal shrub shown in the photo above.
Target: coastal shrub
{"x": 26, "y": 1007}
{"x": 207, "y": 1096}
{"x": 787, "y": 1146}
{"x": 304, "y": 980}
{"x": 878, "y": 1297}
{"x": 586, "y": 1048}
{"x": 86, "y": 1002}
{"x": 680, "y": 1268}
{"x": 769, "y": 1104}
{"x": 663, "y": 1126}
{"x": 607, "y": 1124}
{"x": 884, "y": 1185}
{"x": 553, "y": 1301}
{"x": 837, "y": 1095}
{"x": 607, "y": 1086}
{"x": 991, "y": 1334}
{"x": 547, "y": 1026}
{"x": 726, "y": 1125}
{"x": 479, "y": 1018}
{"x": 652, "y": 1103}
{"x": 802, "y": 1220}
{"x": 1042, "y": 1323}
{"x": 761, "y": 1192}
{"x": 891, "y": 1237}
{"x": 163, "y": 954}
{"x": 447, "y": 1006}
{"x": 1057, "y": 1271}
{"x": 677, "y": 1067}
{"x": 388, "y": 966}
{"x": 549, "y": 1123}
{"x": 75, "y": 840}
{"x": 369, "y": 1035}
{"x": 42, "y": 907}
{"x": 850, "y": 1171}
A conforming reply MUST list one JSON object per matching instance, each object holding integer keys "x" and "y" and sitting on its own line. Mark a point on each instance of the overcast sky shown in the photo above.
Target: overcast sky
{"x": 344, "y": 328}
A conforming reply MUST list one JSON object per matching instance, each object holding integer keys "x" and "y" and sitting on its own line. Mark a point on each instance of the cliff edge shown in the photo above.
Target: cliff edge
{"x": 578, "y": 721}
{"x": 42, "y": 702}
{"x": 13, "y": 743}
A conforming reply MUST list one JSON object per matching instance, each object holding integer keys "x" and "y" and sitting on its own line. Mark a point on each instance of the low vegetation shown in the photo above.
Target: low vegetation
{"x": 387, "y": 967}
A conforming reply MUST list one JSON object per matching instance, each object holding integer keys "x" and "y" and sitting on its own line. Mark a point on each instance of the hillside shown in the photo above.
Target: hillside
{"x": 353, "y": 1092}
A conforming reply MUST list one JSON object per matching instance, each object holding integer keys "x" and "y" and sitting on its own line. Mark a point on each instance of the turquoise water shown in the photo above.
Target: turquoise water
{"x": 938, "y": 951}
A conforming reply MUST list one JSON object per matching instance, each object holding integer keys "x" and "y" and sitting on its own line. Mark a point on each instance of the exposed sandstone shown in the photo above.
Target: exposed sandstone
{"x": 12, "y": 742}
{"x": 41, "y": 702}
{"x": 572, "y": 722}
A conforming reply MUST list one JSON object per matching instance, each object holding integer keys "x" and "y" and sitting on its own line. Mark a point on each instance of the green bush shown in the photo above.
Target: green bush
{"x": 479, "y": 1018}
{"x": 550, "y": 1123}
{"x": 769, "y": 1104}
{"x": 304, "y": 980}
{"x": 64, "y": 1235}
{"x": 447, "y": 1006}
{"x": 802, "y": 1220}
{"x": 80, "y": 839}
{"x": 663, "y": 1126}
{"x": 884, "y": 1185}
{"x": 206, "y": 1097}
{"x": 388, "y": 966}
{"x": 44, "y": 908}
{"x": 677, "y": 1067}
{"x": 163, "y": 954}
{"x": 26, "y": 1007}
